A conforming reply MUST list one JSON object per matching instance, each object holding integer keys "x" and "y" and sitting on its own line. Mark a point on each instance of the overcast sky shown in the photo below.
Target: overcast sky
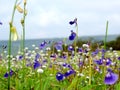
{"x": 50, "y": 18}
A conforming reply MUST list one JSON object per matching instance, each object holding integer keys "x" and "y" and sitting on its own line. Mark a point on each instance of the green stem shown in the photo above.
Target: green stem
{"x": 105, "y": 40}
{"x": 76, "y": 38}
{"x": 23, "y": 26}
{"x": 23, "y": 39}
{"x": 90, "y": 70}
{"x": 10, "y": 43}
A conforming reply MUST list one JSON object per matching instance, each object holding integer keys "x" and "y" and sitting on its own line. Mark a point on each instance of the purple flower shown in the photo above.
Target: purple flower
{"x": 80, "y": 50}
{"x": 20, "y": 57}
{"x": 72, "y": 36}
{"x": 59, "y": 76}
{"x": 80, "y": 64}
{"x": 110, "y": 78}
{"x": 37, "y": 56}
{"x": 43, "y": 44}
{"x": 73, "y": 22}
{"x": 108, "y": 62}
{"x": 58, "y": 45}
{"x": 67, "y": 65}
{"x": 70, "y": 48}
{"x": 99, "y": 62}
{"x": 69, "y": 72}
{"x": 10, "y": 73}
{"x": 0, "y": 23}
{"x": 118, "y": 58}
{"x": 36, "y": 64}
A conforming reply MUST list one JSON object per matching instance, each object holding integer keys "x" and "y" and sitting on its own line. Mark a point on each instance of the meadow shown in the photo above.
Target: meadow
{"x": 59, "y": 66}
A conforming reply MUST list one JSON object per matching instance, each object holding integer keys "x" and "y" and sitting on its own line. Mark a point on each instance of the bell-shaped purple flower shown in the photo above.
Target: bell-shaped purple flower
{"x": 72, "y": 36}
{"x": 118, "y": 58}
{"x": 70, "y": 48}
{"x": 36, "y": 64}
{"x": 37, "y": 56}
{"x": 59, "y": 76}
{"x": 73, "y": 22}
{"x": 58, "y": 46}
{"x": 20, "y": 57}
{"x": 43, "y": 44}
{"x": 110, "y": 78}
{"x": 108, "y": 62}
{"x": 69, "y": 72}
{"x": 99, "y": 62}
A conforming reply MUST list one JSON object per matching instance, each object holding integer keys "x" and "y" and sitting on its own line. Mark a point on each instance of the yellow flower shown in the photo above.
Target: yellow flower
{"x": 14, "y": 34}
{"x": 19, "y": 9}
{"x": 25, "y": 2}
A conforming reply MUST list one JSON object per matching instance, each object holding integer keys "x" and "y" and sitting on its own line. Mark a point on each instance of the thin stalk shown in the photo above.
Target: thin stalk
{"x": 23, "y": 26}
{"x": 105, "y": 40}
{"x": 23, "y": 39}
{"x": 76, "y": 38}
{"x": 90, "y": 70}
{"x": 10, "y": 43}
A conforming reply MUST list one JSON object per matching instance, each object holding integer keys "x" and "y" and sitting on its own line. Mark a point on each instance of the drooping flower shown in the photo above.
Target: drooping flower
{"x": 19, "y": 9}
{"x": 110, "y": 78}
{"x": 73, "y": 22}
{"x": 72, "y": 36}
{"x": 59, "y": 76}
{"x": 14, "y": 34}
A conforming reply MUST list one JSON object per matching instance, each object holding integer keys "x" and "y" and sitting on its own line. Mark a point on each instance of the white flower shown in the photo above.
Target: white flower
{"x": 40, "y": 70}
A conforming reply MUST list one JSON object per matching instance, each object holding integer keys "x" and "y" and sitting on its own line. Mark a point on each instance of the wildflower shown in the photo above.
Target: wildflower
{"x": 37, "y": 56}
{"x": 40, "y": 70}
{"x": 110, "y": 78}
{"x": 59, "y": 76}
{"x": 58, "y": 46}
{"x": 0, "y": 23}
{"x": 70, "y": 48}
{"x": 36, "y": 64}
{"x": 19, "y": 9}
{"x": 80, "y": 50}
{"x": 118, "y": 58}
{"x": 72, "y": 36}
{"x": 14, "y": 34}
{"x": 4, "y": 46}
{"x": 73, "y": 22}
{"x": 43, "y": 44}
{"x": 108, "y": 62}
{"x": 67, "y": 65}
{"x": 10, "y": 73}
{"x": 99, "y": 62}
{"x": 20, "y": 57}
{"x": 68, "y": 73}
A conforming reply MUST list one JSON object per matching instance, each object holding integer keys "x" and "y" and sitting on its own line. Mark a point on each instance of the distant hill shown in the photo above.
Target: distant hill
{"x": 99, "y": 37}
